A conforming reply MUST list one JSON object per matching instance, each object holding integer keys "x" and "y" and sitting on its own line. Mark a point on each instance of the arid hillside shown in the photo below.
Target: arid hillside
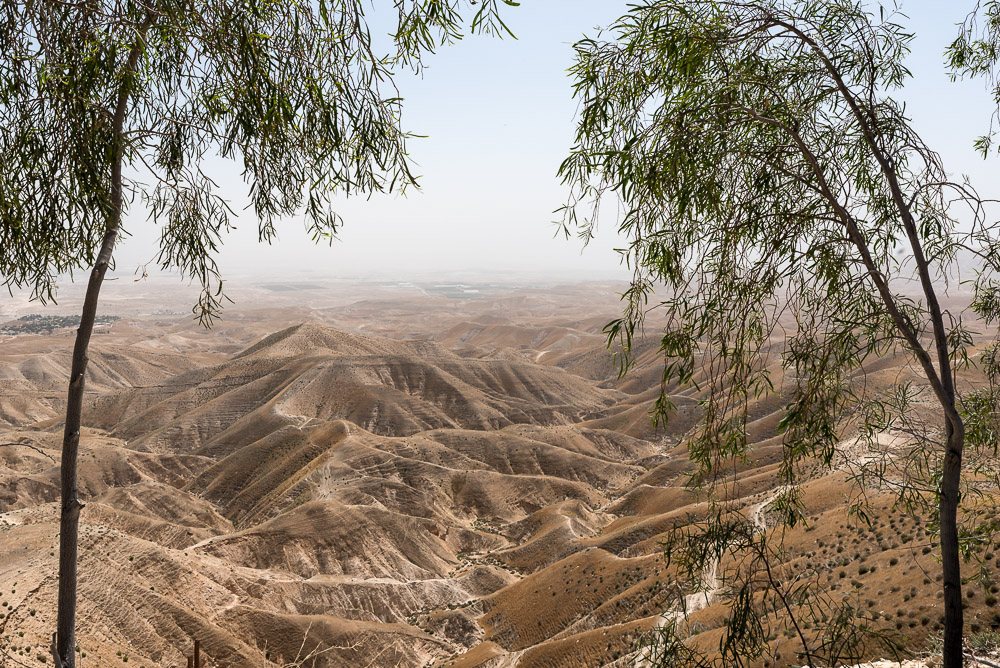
{"x": 397, "y": 475}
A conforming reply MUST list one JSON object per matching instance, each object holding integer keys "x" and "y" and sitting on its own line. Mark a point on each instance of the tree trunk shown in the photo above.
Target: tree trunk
{"x": 950, "y": 561}
{"x": 69, "y": 521}
{"x": 64, "y": 643}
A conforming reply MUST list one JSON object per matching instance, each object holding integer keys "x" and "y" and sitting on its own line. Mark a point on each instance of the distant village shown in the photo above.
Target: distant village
{"x": 35, "y": 323}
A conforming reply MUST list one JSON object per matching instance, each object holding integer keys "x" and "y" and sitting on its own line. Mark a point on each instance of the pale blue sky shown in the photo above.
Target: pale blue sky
{"x": 499, "y": 116}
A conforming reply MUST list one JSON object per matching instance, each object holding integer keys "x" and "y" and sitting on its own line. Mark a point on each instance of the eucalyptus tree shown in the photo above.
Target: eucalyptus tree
{"x": 106, "y": 104}
{"x": 774, "y": 190}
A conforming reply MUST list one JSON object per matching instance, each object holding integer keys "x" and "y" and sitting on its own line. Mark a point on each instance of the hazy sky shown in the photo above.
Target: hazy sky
{"x": 499, "y": 116}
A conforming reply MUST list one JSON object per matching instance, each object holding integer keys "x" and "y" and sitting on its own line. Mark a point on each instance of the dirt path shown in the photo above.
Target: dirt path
{"x": 711, "y": 586}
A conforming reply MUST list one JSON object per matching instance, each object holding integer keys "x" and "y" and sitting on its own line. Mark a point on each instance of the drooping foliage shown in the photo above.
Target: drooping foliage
{"x": 976, "y": 53}
{"x": 294, "y": 95}
{"x": 788, "y": 222}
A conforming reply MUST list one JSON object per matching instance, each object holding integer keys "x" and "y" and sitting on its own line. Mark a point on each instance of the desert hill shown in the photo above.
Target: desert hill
{"x": 309, "y": 373}
{"x": 451, "y": 483}
{"x": 32, "y": 385}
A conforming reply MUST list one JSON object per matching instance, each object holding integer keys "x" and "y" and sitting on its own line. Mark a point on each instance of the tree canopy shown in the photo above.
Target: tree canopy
{"x": 296, "y": 94}
{"x": 976, "y": 53}
{"x": 782, "y": 213}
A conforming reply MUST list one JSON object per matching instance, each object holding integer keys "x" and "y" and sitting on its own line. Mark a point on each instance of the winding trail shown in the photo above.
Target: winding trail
{"x": 711, "y": 586}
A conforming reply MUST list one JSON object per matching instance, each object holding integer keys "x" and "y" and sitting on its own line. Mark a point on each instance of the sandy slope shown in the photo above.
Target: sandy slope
{"x": 479, "y": 490}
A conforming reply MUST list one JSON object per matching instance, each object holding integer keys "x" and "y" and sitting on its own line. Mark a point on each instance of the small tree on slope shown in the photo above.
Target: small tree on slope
{"x": 106, "y": 101}
{"x": 771, "y": 182}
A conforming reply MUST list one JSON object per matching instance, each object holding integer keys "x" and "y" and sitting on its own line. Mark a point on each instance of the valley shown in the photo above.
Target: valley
{"x": 383, "y": 475}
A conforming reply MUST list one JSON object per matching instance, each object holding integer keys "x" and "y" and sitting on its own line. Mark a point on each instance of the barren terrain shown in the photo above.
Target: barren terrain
{"x": 401, "y": 475}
